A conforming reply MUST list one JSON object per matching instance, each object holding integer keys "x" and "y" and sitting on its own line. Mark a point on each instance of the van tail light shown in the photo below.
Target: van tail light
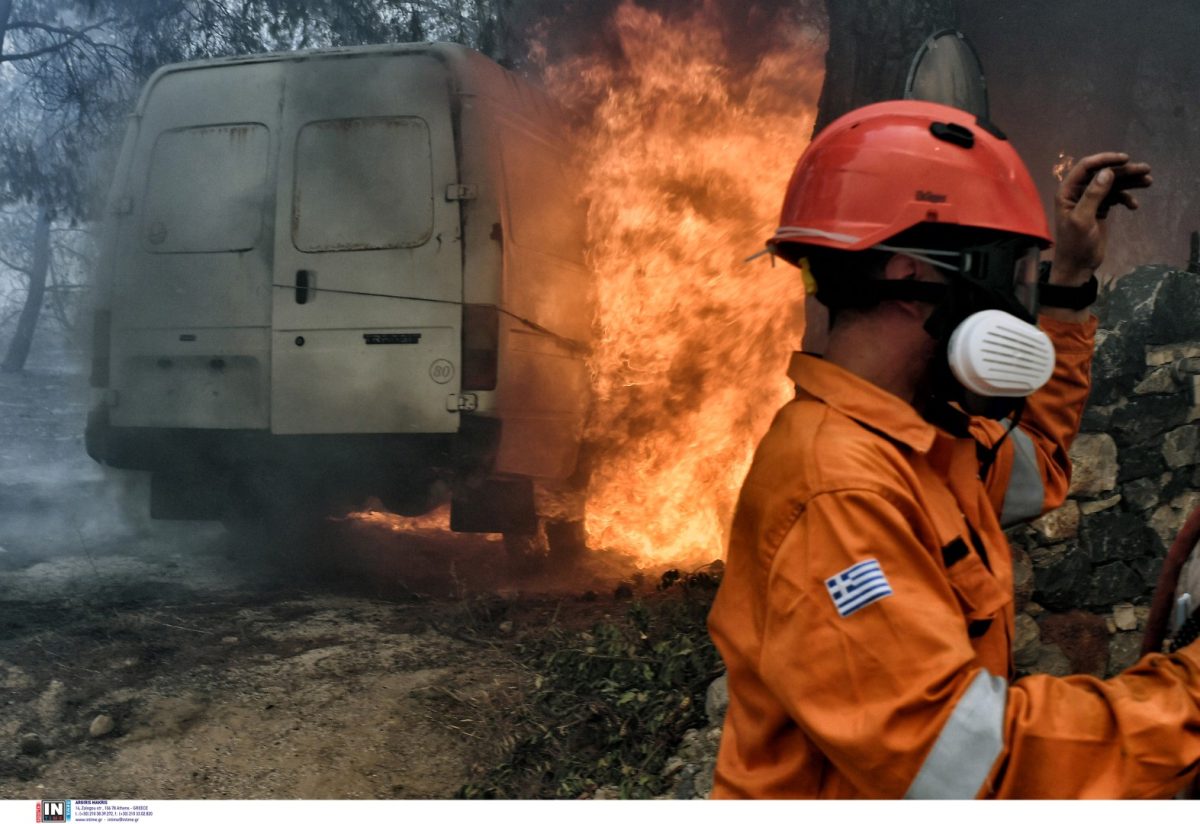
{"x": 101, "y": 335}
{"x": 480, "y": 342}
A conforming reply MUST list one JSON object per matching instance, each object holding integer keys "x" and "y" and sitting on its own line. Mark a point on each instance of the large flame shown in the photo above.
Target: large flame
{"x": 687, "y": 167}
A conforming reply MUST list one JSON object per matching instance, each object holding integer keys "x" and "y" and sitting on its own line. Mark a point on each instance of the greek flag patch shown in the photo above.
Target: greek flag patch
{"x": 856, "y": 587}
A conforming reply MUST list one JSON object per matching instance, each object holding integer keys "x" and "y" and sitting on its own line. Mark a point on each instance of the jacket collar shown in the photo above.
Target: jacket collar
{"x": 862, "y": 401}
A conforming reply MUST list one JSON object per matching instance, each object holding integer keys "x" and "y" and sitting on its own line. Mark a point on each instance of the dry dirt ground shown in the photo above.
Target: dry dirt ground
{"x": 226, "y": 674}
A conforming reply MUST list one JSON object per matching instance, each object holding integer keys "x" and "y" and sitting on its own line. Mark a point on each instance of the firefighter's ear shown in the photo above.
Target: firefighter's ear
{"x": 901, "y": 267}
{"x": 904, "y": 267}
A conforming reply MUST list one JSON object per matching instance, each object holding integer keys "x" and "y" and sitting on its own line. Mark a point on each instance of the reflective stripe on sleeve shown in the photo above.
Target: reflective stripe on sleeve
{"x": 1026, "y": 491}
{"x": 968, "y": 745}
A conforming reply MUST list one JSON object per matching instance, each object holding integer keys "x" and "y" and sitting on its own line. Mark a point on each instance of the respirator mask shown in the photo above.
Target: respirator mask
{"x": 993, "y": 353}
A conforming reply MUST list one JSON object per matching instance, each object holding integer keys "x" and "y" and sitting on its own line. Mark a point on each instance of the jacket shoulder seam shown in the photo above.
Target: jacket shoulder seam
{"x": 775, "y": 535}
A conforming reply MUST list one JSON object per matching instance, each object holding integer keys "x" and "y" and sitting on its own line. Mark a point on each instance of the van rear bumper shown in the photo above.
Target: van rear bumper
{"x": 217, "y": 474}
{"x": 161, "y": 448}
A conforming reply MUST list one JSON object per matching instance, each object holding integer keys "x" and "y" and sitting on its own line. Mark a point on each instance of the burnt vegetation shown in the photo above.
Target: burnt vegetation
{"x": 608, "y": 705}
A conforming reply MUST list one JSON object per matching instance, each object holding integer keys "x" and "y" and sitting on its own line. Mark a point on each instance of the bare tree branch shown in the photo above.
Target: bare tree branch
{"x": 26, "y": 25}
{"x": 64, "y": 249}
{"x": 22, "y": 269}
{"x": 58, "y": 296}
{"x": 80, "y": 230}
{"x": 72, "y": 36}
{"x": 9, "y": 58}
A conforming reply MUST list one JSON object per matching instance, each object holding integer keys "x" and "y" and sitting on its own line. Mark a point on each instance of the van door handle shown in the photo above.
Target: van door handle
{"x": 302, "y": 279}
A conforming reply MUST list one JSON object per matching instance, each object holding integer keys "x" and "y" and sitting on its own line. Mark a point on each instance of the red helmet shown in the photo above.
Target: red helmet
{"x": 884, "y": 168}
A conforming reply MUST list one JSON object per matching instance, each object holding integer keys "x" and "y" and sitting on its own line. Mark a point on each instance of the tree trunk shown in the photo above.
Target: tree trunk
{"x": 18, "y": 348}
{"x": 871, "y": 44}
{"x": 5, "y": 14}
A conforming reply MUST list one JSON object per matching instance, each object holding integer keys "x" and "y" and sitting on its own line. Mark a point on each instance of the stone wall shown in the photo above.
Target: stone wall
{"x": 1086, "y": 571}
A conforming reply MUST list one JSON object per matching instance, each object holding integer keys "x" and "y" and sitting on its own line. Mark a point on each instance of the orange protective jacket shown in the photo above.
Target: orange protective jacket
{"x": 866, "y": 613}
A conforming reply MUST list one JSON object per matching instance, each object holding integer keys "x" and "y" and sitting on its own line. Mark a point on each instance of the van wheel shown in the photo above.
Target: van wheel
{"x": 566, "y": 540}
{"x": 527, "y": 549}
{"x": 554, "y": 543}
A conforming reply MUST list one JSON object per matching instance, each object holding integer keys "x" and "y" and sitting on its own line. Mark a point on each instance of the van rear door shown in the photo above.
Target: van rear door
{"x": 191, "y": 265}
{"x": 366, "y": 305}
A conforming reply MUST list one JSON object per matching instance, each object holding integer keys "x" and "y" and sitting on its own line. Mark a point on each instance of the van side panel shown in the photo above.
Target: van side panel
{"x": 191, "y": 294}
{"x": 538, "y": 234}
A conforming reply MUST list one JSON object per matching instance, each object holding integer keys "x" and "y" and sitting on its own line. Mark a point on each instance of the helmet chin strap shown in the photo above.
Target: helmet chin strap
{"x": 862, "y": 295}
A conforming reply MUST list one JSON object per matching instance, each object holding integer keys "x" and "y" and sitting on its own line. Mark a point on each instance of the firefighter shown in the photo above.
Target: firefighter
{"x": 866, "y": 613}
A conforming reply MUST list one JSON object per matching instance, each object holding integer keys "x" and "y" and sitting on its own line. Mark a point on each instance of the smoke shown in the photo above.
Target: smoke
{"x": 561, "y": 33}
{"x": 1078, "y": 77}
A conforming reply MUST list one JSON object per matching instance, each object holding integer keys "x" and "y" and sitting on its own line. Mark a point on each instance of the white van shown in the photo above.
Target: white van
{"x": 343, "y": 273}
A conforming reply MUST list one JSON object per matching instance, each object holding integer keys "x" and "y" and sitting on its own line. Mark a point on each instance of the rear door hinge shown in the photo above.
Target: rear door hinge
{"x": 466, "y": 402}
{"x": 462, "y": 191}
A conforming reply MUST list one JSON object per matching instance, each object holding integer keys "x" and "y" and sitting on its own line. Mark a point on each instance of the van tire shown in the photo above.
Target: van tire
{"x": 566, "y": 539}
{"x": 554, "y": 543}
{"x": 526, "y": 549}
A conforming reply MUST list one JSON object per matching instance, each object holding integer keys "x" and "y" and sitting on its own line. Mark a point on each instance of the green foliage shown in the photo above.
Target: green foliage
{"x": 610, "y": 705}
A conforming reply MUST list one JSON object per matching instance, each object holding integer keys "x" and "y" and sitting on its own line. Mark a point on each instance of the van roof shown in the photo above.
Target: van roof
{"x": 473, "y": 72}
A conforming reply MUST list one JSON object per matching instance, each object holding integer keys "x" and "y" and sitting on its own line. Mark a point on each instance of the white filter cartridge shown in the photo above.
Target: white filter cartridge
{"x": 998, "y": 355}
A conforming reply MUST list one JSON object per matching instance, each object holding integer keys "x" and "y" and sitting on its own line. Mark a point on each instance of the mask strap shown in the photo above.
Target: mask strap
{"x": 989, "y": 458}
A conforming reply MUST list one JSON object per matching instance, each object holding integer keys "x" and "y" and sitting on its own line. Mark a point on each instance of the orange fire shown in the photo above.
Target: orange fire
{"x": 375, "y": 515}
{"x": 687, "y": 167}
